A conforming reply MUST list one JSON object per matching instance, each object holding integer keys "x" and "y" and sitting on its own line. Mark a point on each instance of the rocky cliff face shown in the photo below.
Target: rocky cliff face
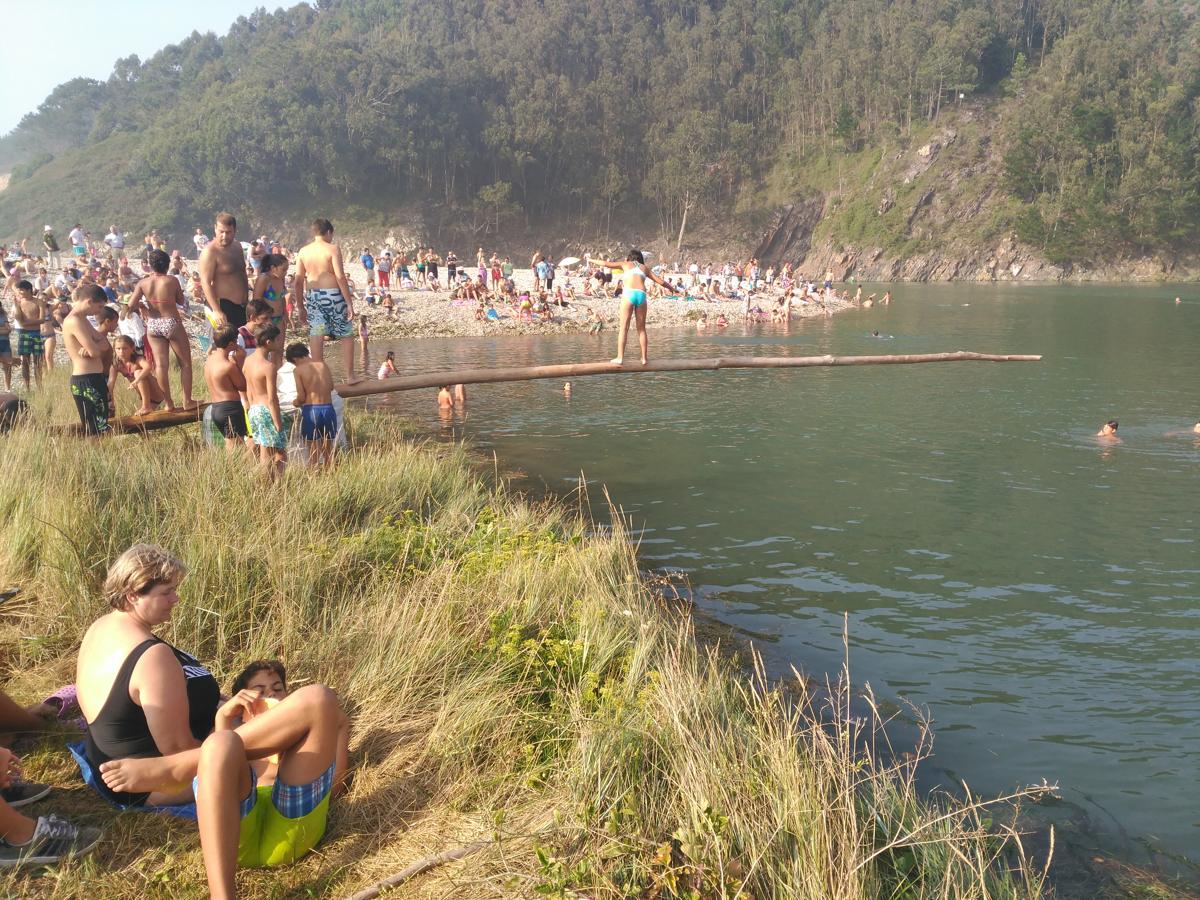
{"x": 931, "y": 210}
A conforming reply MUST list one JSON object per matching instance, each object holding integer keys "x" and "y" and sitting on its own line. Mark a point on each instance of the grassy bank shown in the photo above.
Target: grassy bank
{"x": 511, "y": 677}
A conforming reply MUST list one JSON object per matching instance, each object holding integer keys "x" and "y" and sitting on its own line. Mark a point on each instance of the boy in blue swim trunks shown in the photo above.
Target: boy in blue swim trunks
{"x": 262, "y": 396}
{"x": 314, "y": 396}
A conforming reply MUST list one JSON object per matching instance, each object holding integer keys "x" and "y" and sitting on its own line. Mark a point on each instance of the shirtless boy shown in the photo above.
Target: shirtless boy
{"x": 223, "y": 275}
{"x": 314, "y": 396}
{"x": 328, "y": 303}
{"x": 86, "y": 348}
{"x": 262, "y": 395}
{"x": 158, "y": 296}
{"x": 29, "y": 313}
{"x": 1108, "y": 432}
{"x": 226, "y": 384}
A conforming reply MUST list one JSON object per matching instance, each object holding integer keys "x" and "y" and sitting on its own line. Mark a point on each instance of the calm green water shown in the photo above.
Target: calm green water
{"x": 1038, "y": 592}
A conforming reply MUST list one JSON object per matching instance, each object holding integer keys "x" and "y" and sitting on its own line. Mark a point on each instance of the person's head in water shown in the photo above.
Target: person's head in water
{"x": 1196, "y": 428}
{"x": 874, "y": 334}
{"x": 267, "y": 676}
{"x": 1109, "y": 429}
{"x": 322, "y": 228}
{"x": 636, "y": 257}
{"x": 159, "y": 262}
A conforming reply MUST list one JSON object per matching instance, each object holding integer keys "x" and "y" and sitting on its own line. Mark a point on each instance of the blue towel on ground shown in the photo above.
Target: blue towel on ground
{"x": 90, "y": 775}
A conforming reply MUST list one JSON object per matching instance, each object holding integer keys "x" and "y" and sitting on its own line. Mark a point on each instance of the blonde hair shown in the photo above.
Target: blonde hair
{"x": 137, "y": 570}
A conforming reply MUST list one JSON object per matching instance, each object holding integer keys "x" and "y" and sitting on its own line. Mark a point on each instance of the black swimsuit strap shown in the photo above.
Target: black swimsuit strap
{"x": 126, "y": 672}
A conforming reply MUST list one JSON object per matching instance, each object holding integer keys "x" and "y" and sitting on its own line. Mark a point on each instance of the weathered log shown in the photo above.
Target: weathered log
{"x": 577, "y": 370}
{"x": 157, "y": 420}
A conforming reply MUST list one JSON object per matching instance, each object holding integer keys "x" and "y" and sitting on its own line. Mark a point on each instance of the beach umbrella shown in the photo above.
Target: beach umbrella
{"x": 570, "y": 262}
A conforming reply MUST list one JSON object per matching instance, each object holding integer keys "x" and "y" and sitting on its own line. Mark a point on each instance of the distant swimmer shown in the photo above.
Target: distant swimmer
{"x": 567, "y": 389}
{"x": 1177, "y": 301}
{"x": 1194, "y": 431}
{"x": 1109, "y": 432}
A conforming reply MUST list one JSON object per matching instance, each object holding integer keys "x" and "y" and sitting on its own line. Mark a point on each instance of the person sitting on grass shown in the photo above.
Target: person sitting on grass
{"x": 159, "y": 734}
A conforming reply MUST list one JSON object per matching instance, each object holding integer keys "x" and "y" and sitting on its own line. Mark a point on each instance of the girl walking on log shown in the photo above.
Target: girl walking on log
{"x": 633, "y": 299}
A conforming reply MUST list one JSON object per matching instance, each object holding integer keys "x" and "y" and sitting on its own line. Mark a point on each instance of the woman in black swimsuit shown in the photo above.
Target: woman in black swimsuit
{"x": 155, "y": 720}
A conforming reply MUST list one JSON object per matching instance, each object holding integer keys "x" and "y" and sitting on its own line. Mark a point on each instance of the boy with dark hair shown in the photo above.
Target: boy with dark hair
{"x": 314, "y": 396}
{"x": 30, "y": 312}
{"x": 226, "y": 384}
{"x": 86, "y": 348}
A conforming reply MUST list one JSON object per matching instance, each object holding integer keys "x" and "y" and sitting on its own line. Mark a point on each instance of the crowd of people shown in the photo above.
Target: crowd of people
{"x": 257, "y": 767}
{"x": 122, "y": 311}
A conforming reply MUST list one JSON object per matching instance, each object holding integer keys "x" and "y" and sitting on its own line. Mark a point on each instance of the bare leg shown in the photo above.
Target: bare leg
{"x": 14, "y": 717}
{"x": 348, "y": 360}
{"x": 49, "y": 352}
{"x": 643, "y": 340}
{"x": 14, "y": 827}
{"x": 224, "y": 779}
{"x": 316, "y": 347}
{"x": 183, "y": 352}
{"x": 8, "y": 376}
{"x": 623, "y": 330}
{"x": 25, "y": 373}
{"x": 38, "y": 371}
{"x": 161, "y": 348}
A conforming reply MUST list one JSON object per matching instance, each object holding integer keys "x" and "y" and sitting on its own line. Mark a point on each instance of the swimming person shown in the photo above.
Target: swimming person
{"x": 633, "y": 299}
{"x": 1108, "y": 431}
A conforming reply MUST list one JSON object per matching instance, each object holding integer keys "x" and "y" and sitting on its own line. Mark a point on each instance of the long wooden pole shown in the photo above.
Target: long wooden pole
{"x": 158, "y": 420}
{"x": 577, "y": 370}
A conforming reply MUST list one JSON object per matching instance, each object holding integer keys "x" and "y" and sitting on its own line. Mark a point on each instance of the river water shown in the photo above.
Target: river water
{"x": 1036, "y": 590}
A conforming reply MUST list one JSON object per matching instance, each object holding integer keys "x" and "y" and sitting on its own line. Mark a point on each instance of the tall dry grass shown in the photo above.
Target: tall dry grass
{"x": 511, "y": 678}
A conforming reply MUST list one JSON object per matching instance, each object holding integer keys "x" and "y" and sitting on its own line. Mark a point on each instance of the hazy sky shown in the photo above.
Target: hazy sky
{"x": 46, "y": 44}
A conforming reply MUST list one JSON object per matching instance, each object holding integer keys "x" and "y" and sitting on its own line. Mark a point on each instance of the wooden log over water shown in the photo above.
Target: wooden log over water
{"x": 159, "y": 420}
{"x": 577, "y": 370}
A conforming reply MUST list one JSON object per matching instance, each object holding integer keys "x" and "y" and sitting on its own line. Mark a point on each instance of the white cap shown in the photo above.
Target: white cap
{"x": 48, "y": 228}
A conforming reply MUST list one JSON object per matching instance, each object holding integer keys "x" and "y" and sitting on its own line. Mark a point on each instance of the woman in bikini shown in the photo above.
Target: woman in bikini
{"x": 159, "y": 296}
{"x": 158, "y": 733}
{"x": 633, "y": 299}
{"x": 134, "y": 366}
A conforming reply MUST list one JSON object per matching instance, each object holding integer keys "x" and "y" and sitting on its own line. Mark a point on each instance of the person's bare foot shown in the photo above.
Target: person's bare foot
{"x": 618, "y": 361}
{"x": 134, "y": 774}
{"x": 354, "y": 379}
{"x": 643, "y": 360}
{"x": 144, "y": 411}
{"x": 191, "y": 404}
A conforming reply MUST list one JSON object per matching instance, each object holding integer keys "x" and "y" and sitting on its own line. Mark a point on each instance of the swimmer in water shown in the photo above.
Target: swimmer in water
{"x": 1109, "y": 432}
{"x": 875, "y": 334}
{"x": 567, "y": 389}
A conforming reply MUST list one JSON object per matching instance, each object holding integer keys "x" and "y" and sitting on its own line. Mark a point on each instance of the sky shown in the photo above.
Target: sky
{"x": 48, "y": 43}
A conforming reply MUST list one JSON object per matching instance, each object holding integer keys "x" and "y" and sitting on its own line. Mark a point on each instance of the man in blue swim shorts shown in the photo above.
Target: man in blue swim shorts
{"x": 314, "y": 396}
{"x": 328, "y": 304}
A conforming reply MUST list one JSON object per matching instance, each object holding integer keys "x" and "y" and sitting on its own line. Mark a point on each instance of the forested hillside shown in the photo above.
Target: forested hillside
{"x": 1076, "y": 124}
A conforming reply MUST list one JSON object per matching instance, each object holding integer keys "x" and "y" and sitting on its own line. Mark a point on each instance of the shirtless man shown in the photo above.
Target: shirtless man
{"x": 262, "y": 395}
{"x": 158, "y": 297}
{"x": 87, "y": 349}
{"x": 314, "y": 396}
{"x": 1108, "y": 432}
{"x": 226, "y": 384}
{"x": 223, "y": 275}
{"x": 328, "y": 305}
{"x": 29, "y": 314}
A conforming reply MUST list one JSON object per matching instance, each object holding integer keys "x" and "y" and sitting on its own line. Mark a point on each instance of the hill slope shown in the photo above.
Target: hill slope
{"x": 1070, "y": 132}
